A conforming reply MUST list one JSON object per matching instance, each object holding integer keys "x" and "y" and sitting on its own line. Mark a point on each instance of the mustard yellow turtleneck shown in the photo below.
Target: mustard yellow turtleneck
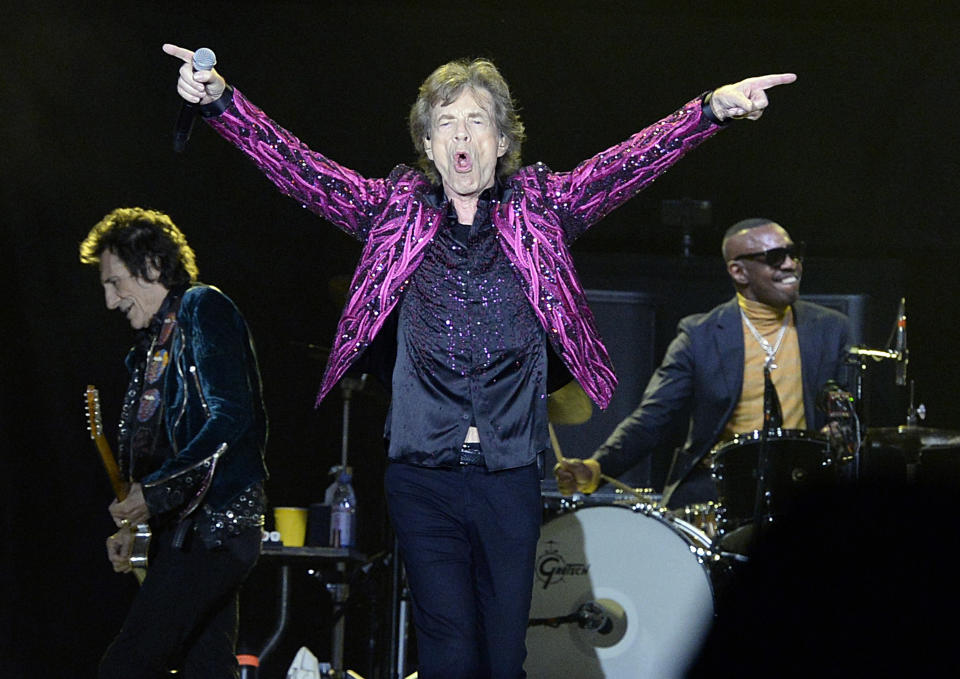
{"x": 787, "y": 377}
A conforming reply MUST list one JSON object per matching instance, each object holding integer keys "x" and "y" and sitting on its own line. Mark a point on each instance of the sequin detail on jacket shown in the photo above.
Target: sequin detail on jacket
{"x": 542, "y": 213}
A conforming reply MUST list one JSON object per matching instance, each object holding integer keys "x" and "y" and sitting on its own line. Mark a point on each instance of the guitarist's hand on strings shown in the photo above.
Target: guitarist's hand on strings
{"x": 119, "y": 547}
{"x": 132, "y": 510}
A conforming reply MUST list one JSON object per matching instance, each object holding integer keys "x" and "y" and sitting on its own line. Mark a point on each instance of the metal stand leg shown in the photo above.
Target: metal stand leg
{"x": 399, "y": 616}
{"x": 339, "y": 592}
{"x": 249, "y": 664}
{"x": 403, "y": 624}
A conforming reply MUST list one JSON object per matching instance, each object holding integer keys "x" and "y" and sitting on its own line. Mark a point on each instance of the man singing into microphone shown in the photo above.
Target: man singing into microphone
{"x": 470, "y": 254}
{"x": 714, "y": 369}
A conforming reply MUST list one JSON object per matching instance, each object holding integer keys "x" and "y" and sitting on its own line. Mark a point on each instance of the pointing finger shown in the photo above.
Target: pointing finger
{"x": 768, "y": 81}
{"x": 178, "y": 52}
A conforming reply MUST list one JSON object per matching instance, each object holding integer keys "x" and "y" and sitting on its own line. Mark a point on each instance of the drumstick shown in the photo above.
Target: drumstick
{"x": 609, "y": 479}
{"x": 554, "y": 442}
{"x": 624, "y": 487}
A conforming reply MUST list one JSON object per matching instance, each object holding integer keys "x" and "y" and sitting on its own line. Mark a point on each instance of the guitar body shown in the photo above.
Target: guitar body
{"x": 140, "y": 549}
{"x": 140, "y": 544}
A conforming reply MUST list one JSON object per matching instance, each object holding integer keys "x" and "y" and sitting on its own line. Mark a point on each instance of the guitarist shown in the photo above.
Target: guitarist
{"x": 191, "y": 443}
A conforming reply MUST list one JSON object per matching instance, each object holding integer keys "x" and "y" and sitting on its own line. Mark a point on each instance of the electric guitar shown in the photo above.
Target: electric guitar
{"x": 141, "y": 532}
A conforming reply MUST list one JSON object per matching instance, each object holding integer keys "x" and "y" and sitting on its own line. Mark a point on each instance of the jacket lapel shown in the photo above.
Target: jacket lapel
{"x": 728, "y": 344}
{"x": 809, "y": 363}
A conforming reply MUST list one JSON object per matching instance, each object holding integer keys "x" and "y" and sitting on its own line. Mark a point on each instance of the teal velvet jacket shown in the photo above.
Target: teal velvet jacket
{"x": 213, "y": 415}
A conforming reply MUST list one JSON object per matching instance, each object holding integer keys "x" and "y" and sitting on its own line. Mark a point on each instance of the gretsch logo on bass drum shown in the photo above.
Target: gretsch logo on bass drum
{"x": 552, "y": 568}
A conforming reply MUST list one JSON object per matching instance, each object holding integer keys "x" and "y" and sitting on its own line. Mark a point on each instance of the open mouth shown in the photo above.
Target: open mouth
{"x": 462, "y": 161}
{"x": 789, "y": 280}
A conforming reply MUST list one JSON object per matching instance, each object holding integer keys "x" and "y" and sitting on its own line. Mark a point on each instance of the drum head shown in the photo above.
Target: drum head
{"x": 654, "y": 597}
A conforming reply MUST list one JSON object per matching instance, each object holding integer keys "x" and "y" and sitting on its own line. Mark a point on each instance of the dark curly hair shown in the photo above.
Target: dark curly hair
{"x": 444, "y": 85}
{"x": 143, "y": 238}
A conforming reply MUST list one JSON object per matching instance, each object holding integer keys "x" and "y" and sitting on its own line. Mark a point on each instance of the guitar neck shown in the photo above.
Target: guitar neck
{"x": 110, "y": 464}
{"x": 95, "y": 426}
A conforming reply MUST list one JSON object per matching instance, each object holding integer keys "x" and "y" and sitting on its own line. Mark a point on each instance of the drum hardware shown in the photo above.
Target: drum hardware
{"x": 896, "y": 351}
{"x": 762, "y": 499}
{"x": 772, "y": 419}
{"x": 566, "y": 503}
{"x": 915, "y": 414}
{"x": 701, "y": 515}
{"x": 914, "y": 438}
{"x": 840, "y": 409}
{"x": 641, "y": 494}
{"x": 589, "y": 616}
{"x": 858, "y": 356}
{"x": 910, "y": 452}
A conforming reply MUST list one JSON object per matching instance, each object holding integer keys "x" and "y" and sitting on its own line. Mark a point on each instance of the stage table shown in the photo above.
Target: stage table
{"x": 334, "y": 563}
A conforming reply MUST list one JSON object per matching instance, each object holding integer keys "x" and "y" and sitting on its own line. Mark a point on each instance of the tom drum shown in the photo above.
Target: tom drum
{"x": 796, "y": 461}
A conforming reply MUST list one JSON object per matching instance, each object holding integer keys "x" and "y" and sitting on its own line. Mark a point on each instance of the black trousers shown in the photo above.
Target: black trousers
{"x": 185, "y": 615}
{"x": 468, "y": 538}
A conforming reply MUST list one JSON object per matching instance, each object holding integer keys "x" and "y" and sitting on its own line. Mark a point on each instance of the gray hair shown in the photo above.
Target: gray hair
{"x": 444, "y": 85}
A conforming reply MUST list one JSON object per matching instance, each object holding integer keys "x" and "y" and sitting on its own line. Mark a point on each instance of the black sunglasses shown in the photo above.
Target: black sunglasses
{"x": 775, "y": 257}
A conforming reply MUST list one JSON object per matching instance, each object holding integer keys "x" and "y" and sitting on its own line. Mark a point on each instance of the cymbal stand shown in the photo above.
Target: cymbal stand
{"x": 340, "y": 590}
{"x": 915, "y": 414}
{"x": 399, "y": 616}
{"x": 858, "y": 356}
{"x": 349, "y": 385}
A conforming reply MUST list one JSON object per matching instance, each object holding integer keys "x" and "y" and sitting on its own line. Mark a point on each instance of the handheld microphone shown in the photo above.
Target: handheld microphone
{"x": 203, "y": 60}
{"x": 901, "y": 344}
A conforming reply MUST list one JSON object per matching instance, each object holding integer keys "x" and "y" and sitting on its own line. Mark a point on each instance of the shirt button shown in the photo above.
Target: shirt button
{"x": 466, "y": 416}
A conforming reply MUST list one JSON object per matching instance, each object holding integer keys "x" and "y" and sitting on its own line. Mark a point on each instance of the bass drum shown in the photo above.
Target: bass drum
{"x": 619, "y": 591}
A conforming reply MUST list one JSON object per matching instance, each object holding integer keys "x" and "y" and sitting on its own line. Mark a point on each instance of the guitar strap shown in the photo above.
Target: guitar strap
{"x": 142, "y": 443}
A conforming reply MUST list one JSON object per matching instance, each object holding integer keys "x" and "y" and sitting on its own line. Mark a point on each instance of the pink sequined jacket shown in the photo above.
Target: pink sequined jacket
{"x": 541, "y": 213}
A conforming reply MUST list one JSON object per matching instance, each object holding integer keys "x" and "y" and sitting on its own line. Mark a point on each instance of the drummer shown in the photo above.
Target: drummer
{"x": 714, "y": 370}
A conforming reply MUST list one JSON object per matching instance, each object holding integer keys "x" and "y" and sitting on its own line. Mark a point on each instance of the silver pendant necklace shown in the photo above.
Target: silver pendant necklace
{"x": 770, "y": 351}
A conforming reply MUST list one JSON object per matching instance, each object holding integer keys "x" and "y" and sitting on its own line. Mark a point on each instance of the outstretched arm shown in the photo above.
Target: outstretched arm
{"x": 747, "y": 98}
{"x": 336, "y": 193}
{"x": 607, "y": 180}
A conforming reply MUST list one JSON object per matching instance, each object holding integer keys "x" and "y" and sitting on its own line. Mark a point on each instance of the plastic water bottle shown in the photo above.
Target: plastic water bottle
{"x": 343, "y": 512}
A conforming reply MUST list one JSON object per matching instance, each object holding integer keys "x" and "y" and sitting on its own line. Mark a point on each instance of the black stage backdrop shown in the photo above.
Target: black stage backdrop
{"x": 858, "y": 158}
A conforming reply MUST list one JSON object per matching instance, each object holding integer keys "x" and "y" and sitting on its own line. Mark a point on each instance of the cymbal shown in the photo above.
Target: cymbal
{"x": 569, "y": 404}
{"x": 913, "y": 436}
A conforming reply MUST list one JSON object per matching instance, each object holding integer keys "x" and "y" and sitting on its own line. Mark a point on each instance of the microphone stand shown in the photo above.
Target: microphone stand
{"x": 762, "y": 497}
{"x": 772, "y": 418}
